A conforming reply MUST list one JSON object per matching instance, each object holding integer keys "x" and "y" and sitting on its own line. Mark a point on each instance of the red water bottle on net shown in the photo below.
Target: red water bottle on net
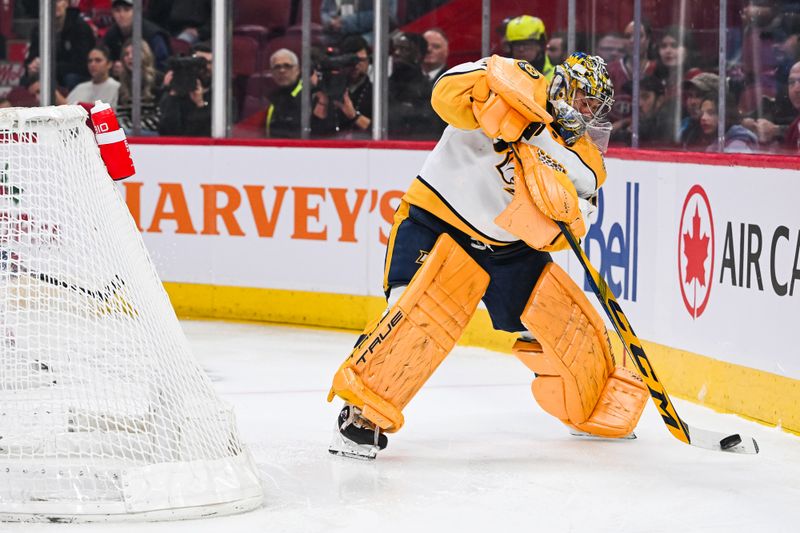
{"x": 111, "y": 139}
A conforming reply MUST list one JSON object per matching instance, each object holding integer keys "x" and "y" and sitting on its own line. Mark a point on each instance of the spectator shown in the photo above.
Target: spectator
{"x": 101, "y": 86}
{"x": 283, "y": 114}
{"x": 74, "y": 39}
{"x": 767, "y": 55}
{"x": 654, "y": 121}
{"x": 674, "y": 57}
{"x": 151, "y": 83}
{"x": 704, "y": 85}
{"x": 621, "y": 74}
{"x": 122, "y": 30}
{"x": 347, "y": 17}
{"x": 350, "y": 113}
{"x": 738, "y": 139}
{"x": 410, "y": 111}
{"x": 526, "y": 37}
{"x": 611, "y": 47}
{"x": 786, "y": 52}
{"x": 4, "y": 103}
{"x": 673, "y": 61}
{"x": 28, "y": 93}
{"x": 791, "y": 137}
{"x": 756, "y": 54}
{"x": 187, "y": 20}
{"x": 434, "y": 64}
{"x": 556, "y": 48}
{"x": 184, "y": 107}
{"x": 780, "y": 129}
{"x": 764, "y": 96}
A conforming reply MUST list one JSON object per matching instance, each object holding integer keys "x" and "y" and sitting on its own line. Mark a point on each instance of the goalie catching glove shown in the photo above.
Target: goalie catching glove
{"x": 509, "y": 98}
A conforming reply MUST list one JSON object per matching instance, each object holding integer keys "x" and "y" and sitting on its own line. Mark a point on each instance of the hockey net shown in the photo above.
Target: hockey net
{"x": 104, "y": 413}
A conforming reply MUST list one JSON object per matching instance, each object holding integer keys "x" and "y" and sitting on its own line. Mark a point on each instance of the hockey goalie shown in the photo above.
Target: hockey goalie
{"x": 478, "y": 223}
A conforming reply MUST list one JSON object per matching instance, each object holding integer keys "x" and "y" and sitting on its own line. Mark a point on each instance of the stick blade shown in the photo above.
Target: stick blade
{"x": 714, "y": 440}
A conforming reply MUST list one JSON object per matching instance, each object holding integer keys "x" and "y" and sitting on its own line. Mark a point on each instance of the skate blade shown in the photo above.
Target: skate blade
{"x": 354, "y": 455}
{"x": 584, "y": 435}
{"x": 347, "y": 448}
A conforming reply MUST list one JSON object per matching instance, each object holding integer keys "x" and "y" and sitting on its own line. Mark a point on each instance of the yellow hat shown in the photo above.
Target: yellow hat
{"x": 525, "y": 28}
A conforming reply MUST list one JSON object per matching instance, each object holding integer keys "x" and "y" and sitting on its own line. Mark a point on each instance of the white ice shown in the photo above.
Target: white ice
{"x": 476, "y": 454}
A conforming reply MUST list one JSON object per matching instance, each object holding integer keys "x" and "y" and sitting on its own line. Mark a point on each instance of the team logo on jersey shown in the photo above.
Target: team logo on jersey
{"x": 696, "y": 251}
{"x": 506, "y": 170}
{"x": 423, "y": 255}
{"x": 528, "y": 69}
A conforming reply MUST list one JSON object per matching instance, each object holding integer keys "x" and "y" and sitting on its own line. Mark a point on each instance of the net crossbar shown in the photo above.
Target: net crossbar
{"x": 104, "y": 412}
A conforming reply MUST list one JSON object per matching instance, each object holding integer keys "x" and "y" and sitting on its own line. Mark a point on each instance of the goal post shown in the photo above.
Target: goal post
{"x": 104, "y": 412}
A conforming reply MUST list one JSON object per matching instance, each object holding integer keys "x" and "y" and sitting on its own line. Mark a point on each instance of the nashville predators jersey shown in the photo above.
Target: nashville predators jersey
{"x": 468, "y": 178}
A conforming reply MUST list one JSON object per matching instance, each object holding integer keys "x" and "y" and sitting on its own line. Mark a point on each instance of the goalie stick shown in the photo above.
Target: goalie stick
{"x": 104, "y": 295}
{"x": 108, "y": 297}
{"x": 702, "y": 438}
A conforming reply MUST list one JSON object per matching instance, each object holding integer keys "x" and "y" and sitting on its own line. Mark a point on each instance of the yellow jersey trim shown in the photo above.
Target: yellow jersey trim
{"x": 424, "y": 196}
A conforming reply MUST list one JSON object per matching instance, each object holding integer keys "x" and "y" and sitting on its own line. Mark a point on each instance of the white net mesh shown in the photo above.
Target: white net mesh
{"x": 104, "y": 413}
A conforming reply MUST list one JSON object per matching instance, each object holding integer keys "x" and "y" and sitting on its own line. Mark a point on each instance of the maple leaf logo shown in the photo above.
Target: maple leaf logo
{"x": 696, "y": 251}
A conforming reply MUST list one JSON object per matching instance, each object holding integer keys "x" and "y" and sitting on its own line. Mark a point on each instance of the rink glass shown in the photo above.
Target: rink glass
{"x": 760, "y": 47}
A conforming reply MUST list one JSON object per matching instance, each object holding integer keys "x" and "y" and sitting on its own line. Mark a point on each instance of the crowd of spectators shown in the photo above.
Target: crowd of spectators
{"x": 93, "y": 63}
{"x": 680, "y": 84}
{"x": 679, "y": 79}
{"x": 341, "y": 88}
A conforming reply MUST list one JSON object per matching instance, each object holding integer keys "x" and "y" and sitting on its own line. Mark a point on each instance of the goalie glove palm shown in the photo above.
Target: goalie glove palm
{"x": 550, "y": 187}
{"x": 540, "y": 198}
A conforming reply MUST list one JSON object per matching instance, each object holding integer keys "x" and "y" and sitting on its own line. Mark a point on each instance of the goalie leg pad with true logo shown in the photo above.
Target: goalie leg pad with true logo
{"x": 397, "y": 356}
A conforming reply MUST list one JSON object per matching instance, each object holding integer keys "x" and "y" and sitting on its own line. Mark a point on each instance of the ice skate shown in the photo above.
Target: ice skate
{"x": 355, "y": 436}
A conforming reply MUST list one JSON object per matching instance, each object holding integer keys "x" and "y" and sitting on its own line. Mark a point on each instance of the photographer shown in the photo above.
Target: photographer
{"x": 343, "y": 101}
{"x": 185, "y": 107}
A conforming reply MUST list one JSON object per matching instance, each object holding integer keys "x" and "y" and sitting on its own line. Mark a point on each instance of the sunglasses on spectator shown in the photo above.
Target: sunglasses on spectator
{"x": 282, "y": 66}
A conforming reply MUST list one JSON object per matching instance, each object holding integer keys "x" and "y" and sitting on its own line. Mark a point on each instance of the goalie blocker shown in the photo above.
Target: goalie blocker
{"x": 577, "y": 381}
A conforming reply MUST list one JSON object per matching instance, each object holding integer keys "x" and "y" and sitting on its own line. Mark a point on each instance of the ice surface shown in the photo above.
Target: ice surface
{"x": 476, "y": 454}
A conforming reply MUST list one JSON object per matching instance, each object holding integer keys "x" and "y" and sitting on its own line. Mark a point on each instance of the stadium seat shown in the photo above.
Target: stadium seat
{"x": 245, "y": 55}
{"x": 272, "y": 14}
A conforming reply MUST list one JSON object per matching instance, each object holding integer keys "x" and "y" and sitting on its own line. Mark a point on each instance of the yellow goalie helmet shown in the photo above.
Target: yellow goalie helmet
{"x": 588, "y": 74}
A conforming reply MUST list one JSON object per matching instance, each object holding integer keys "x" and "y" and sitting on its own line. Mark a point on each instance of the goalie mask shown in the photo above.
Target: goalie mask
{"x": 581, "y": 93}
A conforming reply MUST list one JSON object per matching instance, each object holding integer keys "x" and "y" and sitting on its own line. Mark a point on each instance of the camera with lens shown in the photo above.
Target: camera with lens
{"x": 186, "y": 71}
{"x": 334, "y": 69}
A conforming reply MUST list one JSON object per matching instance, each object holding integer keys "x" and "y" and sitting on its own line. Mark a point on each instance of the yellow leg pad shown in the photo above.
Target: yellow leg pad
{"x": 577, "y": 379}
{"x": 394, "y": 360}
